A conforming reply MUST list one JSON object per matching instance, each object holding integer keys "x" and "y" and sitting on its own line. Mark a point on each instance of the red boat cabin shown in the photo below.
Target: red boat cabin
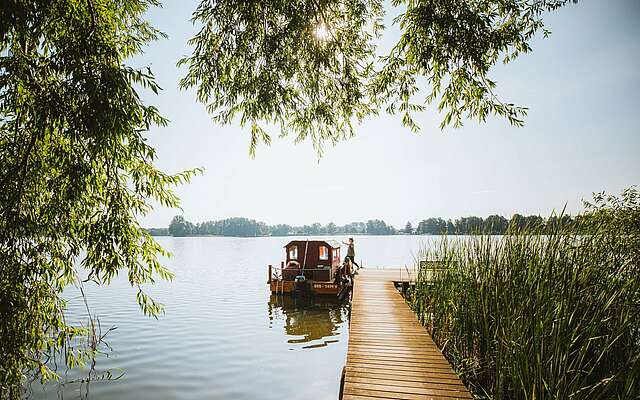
{"x": 317, "y": 260}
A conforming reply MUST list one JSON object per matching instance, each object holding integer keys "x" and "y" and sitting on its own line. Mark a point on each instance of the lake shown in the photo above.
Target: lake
{"x": 223, "y": 336}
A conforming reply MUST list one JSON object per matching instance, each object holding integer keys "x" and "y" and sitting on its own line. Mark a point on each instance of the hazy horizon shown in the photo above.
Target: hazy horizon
{"x": 582, "y": 87}
{"x": 324, "y": 223}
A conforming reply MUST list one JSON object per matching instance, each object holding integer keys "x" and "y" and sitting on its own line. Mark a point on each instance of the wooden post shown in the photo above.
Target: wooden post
{"x": 405, "y": 287}
{"x": 269, "y": 280}
{"x": 344, "y": 370}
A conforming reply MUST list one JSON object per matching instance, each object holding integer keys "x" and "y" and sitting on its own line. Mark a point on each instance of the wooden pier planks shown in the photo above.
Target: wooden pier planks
{"x": 391, "y": 356}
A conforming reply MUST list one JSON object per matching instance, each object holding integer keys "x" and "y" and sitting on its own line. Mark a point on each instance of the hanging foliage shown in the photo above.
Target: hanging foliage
{"x": 75, "y": 171}
{"x": 310, "y": 67}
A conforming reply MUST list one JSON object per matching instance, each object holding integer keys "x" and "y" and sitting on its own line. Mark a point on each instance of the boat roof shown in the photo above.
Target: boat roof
{"x": 334, "y": 244}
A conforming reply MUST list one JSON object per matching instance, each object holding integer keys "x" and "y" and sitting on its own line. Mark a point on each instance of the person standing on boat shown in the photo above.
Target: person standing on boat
{"x": 351, "y": 252}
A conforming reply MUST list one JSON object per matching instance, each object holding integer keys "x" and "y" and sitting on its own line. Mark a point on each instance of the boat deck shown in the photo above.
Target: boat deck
{"x": 391, "y": 356}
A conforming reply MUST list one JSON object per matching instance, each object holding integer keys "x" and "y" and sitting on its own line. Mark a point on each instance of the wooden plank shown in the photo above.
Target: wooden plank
{"x": 422, "y": 375}
{"x": 406, "y": 379}
{"x": 411, "y": 385}
{"x": 409, "y": 390}
{"x": 395, "y": 353}
{"x": 390, "y": 355}
{"x": 403, "y": 368}
{"x": 396, "y": 360}
{"x": 349, "y": 389}
{"x": 402, "y": 392}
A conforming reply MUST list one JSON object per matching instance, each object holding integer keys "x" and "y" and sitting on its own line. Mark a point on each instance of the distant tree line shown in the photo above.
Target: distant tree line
{"x": 244, "y": 227}
{"x": 493, "y": 224}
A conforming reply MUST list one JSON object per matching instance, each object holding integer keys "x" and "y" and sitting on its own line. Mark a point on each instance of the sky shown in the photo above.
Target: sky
{"x": 581, "y": 85}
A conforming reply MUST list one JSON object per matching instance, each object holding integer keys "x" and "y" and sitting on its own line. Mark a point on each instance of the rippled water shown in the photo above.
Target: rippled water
{"x": 223, "y": 336}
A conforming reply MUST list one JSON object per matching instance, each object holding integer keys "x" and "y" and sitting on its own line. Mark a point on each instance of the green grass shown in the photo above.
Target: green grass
{"x": 530, "y": 316}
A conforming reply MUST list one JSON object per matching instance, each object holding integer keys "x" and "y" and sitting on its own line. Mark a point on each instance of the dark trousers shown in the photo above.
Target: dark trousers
{"x": 353, "y": 261}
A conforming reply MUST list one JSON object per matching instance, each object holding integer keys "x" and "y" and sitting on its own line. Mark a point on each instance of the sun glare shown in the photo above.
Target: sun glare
{"x": 321, "y": 32}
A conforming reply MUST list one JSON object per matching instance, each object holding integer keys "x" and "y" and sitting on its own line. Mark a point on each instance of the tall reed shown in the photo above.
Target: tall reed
{"x": 532, "y": 316}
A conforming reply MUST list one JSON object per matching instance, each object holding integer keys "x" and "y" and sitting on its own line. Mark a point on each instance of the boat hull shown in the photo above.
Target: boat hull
{"x": 317, "y": 288}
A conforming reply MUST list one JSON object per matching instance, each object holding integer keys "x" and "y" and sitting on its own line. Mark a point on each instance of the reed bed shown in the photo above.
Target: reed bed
{"x": 532, "y": 316}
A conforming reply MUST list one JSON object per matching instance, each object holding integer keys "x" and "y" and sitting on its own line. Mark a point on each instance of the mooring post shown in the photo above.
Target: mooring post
{"x": 341, "y": 394}
{"x": 282, "y": 272}
{"x": 269, "y": 280}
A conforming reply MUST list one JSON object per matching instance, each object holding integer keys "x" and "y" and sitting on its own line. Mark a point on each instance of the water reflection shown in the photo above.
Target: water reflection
{"x": 213, "y": 340}
{"x": 310, "y": 323}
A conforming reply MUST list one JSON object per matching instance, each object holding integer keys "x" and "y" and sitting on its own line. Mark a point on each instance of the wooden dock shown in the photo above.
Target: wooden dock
{"x": 391, "y": 356}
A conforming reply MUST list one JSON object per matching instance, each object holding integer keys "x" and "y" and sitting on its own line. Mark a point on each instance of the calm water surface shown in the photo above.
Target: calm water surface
{"x": 223, "y": 335}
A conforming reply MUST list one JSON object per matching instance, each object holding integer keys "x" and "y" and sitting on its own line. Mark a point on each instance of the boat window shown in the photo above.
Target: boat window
{"x": 293, "y": 253}
{"x": 336, "y": 254}
{"x": 324, "y": 253}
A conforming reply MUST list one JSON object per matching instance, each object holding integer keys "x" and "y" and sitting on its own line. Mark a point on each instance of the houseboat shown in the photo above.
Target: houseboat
{"x": 312, "y": 267}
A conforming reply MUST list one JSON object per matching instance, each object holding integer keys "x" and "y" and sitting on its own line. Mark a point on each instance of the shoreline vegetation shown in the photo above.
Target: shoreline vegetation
{"x": 244, "y": 227}
{"x": 531, "y": 316}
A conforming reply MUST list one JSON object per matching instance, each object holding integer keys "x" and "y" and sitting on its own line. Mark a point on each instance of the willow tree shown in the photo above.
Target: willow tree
{"x": 75, "y": 170}
{"x": 310, "y": 67}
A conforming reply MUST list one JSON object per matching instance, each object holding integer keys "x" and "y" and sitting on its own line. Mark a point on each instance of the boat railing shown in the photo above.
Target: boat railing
{"x": 311, "y": 269}
{"x": 278, "y": 273}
